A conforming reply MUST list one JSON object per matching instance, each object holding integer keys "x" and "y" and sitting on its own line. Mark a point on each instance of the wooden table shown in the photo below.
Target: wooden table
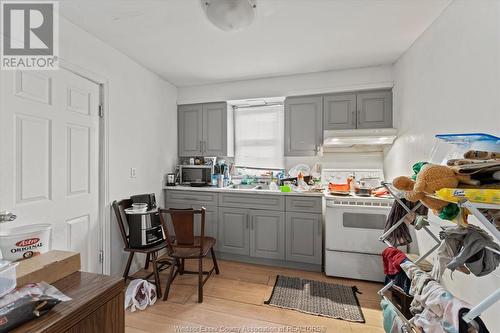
{"x": 97, "y": 305}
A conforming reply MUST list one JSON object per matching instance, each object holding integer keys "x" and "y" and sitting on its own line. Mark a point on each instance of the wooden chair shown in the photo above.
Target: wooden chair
{"x": 150, "y": 252}
{"x": 188, "y": 246}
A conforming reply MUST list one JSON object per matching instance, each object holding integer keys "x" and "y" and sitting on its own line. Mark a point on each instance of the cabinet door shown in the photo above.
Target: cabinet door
{"x": 215, "y": 129}
{"x": 303, "y": 237}
{"x": 234, "y": 231}
{"x": 303, "y": 125}
{"x": 189, "y": 126}
{"x": 374, "y": 109}
{"x": 339, "y": 111}
{"x": 267, "y": 234}
{"x": 211, "y": 218}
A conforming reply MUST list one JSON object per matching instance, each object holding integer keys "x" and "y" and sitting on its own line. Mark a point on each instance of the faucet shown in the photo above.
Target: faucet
{"x": 6, "y": 216}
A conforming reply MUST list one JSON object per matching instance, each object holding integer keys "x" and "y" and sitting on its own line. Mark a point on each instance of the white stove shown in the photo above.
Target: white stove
{"x": 353, "y": 225}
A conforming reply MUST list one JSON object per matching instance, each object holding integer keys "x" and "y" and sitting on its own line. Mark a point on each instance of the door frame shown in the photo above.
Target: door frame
{"x": 104, "y": 214}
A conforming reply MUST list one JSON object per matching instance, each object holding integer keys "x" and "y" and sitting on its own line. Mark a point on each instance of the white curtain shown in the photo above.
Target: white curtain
{"x": 258, "y": 133}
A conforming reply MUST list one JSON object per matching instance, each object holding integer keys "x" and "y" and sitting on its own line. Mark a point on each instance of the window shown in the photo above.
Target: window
{"x": 258, "y": 136}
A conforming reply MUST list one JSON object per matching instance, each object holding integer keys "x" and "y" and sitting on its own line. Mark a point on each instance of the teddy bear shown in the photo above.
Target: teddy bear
{"x": 430, "y": 178}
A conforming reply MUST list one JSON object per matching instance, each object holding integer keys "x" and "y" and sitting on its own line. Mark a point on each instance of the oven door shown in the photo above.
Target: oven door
{"x": 355, "y": 228}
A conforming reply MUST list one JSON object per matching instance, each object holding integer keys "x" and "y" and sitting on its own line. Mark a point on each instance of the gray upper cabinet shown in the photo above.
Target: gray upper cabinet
{"x": 190, "y": 126}
{"x": 215, "y": 129}
{"x": 267, "y": 234}
{"x": 303, "y": 237}
{"x": 374, "y": 109}
{"x": 303, "y": 125}
{"x": 203, "y": 130}
{"x": 234, "y": 231}
{"x": 339, "y": 111}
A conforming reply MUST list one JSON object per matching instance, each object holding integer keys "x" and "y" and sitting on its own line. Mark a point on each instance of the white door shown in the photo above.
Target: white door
{"x": 49, "y": 157}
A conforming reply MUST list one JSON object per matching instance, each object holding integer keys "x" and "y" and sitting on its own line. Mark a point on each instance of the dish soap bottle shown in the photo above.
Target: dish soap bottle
{"x": 301, "y": 184}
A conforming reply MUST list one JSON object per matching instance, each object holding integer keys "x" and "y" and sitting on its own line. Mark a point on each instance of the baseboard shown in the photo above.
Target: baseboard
{"x": 269, "y": 262}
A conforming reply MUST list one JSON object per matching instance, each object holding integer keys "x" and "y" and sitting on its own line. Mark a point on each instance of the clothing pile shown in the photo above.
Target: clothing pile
{"x": 464, "y": 249}
{"x": 434, "y": 308}
{"x": 392, "y": 259}
{"x": 392, "y": 322}
{"x": 401, "y": 236}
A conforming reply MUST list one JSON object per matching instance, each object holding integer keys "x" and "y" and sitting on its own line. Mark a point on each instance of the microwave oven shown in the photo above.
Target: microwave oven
{"x": 198, "y": 174}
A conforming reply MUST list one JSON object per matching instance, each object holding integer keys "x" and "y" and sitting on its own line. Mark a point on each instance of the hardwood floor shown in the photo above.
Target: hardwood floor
{"x": 234, "y": 301}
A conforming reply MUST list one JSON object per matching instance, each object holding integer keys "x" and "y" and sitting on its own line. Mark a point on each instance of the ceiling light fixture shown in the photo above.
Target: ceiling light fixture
{"x": 230, "y": 15}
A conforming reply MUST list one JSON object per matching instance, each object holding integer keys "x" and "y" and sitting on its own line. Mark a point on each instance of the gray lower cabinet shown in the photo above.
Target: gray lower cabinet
{"x": 303, "y": 125}
{"x": 303, "y": 237}
{"x": 211, "y": 217}
{"x": 288, "y": 230}
{"x": 267, "y": 234}
{"x": 374, "y": 109}
{"x": 339, "y": 111}
{"x": 178, "y": 205}
{"x": 234, "y": 231}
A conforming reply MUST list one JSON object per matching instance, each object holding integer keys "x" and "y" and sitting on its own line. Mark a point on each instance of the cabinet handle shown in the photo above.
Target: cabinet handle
{"x": 303, "y": 205}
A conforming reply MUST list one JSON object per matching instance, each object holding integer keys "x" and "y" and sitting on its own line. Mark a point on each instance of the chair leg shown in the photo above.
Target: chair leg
{"x": 181, "y": 267}
{"x": 127, "y": 267}
{"x": 212, "y": 252}
{"x": 156, "y": 274}
{"x": 200, "y": 280}
{"x": 175, "y": 265}
{"x": 146, "y": 264}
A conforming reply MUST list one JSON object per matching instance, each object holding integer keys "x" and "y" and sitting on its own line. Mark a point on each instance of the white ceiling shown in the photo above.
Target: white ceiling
{"x": 174, "y": 39}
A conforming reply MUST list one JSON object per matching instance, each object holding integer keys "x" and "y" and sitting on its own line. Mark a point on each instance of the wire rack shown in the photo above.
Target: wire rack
{"x": 473, "y": 208}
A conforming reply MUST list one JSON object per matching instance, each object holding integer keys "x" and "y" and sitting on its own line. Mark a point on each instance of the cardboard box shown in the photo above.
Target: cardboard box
{"x": 49, "y": 267}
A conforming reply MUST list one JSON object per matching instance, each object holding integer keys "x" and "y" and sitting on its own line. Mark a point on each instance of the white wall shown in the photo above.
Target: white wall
{"x": 142, "y": 122}
{"x": 449, "y": 82}
{"x": 313, "y": 83}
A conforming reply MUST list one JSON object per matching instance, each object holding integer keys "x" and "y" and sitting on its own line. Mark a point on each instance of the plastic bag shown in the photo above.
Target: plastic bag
{"x": 140, "y": 294}
{"x": 27, "y": 303}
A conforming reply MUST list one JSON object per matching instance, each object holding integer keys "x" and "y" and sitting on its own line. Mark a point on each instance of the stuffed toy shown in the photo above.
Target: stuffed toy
{"x": 429, "y": 179}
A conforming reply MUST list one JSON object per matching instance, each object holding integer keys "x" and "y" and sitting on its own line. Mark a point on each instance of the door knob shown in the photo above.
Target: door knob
{"x": 6, "y": 216}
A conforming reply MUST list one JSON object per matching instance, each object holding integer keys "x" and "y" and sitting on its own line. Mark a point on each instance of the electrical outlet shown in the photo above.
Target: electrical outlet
{"x": 133, "y": 172}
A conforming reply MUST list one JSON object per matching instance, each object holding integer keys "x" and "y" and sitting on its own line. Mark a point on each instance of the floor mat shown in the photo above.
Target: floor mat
{"x": 318, "y": 298}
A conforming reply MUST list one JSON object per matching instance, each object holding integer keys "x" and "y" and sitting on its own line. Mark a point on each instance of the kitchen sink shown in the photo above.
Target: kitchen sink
{"x": 262, "y": 187}
{"x": 243, "y": 186}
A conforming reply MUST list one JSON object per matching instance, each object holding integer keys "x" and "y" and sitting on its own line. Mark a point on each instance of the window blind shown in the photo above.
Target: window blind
{"x": 258, "y": 133}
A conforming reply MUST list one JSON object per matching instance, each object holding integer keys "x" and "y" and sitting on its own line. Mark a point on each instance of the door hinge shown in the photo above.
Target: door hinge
{"x": 101, "y": 256}
{"x": 101, "y": 111}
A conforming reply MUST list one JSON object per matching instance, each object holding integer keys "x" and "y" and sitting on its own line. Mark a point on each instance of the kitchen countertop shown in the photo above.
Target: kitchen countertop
{"x": 238, "y": 190}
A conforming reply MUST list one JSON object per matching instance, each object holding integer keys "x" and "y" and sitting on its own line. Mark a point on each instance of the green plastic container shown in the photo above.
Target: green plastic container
{"x": 285, "y": 188}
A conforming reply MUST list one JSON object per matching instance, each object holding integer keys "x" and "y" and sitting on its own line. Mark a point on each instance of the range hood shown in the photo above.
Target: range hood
{"x": 358, "y": 138}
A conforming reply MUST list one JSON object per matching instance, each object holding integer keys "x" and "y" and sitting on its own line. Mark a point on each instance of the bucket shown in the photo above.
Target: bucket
{"x": 25, "y": 242}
